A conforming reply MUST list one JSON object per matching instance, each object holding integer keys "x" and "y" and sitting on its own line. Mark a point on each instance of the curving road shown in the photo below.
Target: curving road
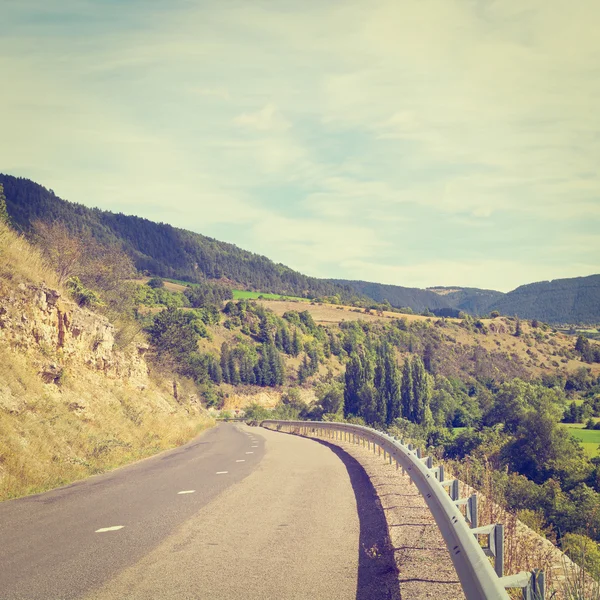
{"x": 240, "y": 512}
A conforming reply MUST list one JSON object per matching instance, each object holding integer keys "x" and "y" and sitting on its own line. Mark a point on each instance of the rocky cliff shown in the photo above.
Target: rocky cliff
{"x": 56, "y": 334}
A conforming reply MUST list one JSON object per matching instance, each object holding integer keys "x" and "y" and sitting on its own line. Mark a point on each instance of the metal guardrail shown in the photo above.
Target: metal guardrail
{"x": 479, "y": 579}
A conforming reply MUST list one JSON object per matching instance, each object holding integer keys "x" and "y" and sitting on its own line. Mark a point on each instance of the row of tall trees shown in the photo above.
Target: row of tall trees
{"x": 262, "y": 365}
{"x": 378, "y": 392}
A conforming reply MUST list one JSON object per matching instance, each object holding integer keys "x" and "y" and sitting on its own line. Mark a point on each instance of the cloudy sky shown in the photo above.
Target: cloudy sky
{"x": 411, "y": 142}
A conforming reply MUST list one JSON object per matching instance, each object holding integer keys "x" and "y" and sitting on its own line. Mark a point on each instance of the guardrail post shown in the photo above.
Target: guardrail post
{"x": 419, "y": 453}
{"x": 538, "y": 583}
{"x": 499, "y": 549}
{"x": 454, "y": 492}
{"x": 441, "y": 473}
{"x": 472, "y": 515}
{"x": 472, "y": 511}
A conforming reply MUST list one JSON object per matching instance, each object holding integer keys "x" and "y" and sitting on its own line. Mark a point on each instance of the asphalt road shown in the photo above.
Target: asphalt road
{"x": 263, "y": 515}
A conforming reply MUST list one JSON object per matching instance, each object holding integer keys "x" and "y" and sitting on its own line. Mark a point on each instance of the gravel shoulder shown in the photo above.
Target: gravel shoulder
{"x": 421, "y": 557}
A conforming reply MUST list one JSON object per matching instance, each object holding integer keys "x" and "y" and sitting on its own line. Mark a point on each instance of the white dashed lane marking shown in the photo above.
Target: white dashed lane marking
{"x": 249, "y": 452}
{"x": 186, "y": 492}
{"x": 222, "y": 472}
{"x": 240, "y": 461}
{"x": 106, "y": 529}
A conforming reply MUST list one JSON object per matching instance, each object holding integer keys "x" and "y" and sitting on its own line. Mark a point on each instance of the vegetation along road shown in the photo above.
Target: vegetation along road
{"x": 238, "y": 512}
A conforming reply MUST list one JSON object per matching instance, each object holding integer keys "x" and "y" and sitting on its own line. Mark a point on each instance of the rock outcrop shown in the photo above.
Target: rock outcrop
{"x": 57, "y": 334}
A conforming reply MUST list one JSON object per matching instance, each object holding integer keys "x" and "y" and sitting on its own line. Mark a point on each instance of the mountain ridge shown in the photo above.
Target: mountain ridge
{"x": 167, "y": 251}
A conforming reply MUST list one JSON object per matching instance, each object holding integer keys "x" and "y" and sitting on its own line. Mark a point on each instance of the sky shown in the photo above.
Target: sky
{"x": 409, "y": 142}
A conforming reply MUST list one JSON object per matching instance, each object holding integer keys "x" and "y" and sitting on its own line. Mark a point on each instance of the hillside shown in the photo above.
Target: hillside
{"x": 537, "y": 352}
{"x": 161, "y": 249}
{"x": 471, "y": 300}
{"x": 574, "y": 300}
{"x": 398, "y": 296}
{"x": 74, "y": 401}
{"x": 440, "y": 300}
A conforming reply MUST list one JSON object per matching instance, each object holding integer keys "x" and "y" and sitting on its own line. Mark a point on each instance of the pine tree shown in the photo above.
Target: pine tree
{"x": 234, "y": 374}
{"x": 225, "y": 363}
{"x": 296, "y": 343}
{"x": 428, "y": 357}
{"x": 4, "y": 217}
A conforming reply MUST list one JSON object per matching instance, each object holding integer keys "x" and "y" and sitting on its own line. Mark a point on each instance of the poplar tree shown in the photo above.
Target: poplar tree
{"x": 406, "y": 391}
{"x": 421, "y": 393}
{"x": 225, "y": 363}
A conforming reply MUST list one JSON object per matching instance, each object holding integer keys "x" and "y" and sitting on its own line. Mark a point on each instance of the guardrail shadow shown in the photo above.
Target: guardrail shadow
{"x": 378, "y": 577}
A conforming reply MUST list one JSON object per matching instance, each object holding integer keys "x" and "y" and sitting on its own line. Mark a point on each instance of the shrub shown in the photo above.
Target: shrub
{"x": 155, "y": 283}
{"x": 82, "y": 295}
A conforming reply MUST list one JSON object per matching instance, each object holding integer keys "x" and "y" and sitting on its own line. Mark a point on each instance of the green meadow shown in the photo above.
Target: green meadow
{"x": 244, "y": 295}
{"x": 589, "y": 438}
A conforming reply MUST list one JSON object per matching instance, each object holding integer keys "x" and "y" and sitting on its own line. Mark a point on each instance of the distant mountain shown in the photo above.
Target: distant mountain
{"x": 398, "y": 296}
{"x": 471, "y": 300}
{"x": 440, "y": 300}
{"x": 161, "y": 249}
{"x": 575, "y": 300}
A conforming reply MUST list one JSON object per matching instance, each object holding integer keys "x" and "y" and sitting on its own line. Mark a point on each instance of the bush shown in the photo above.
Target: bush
{"x": 155, "y": 283}
{"x": 82, "y": 295}
{"x": 584, "y": 551}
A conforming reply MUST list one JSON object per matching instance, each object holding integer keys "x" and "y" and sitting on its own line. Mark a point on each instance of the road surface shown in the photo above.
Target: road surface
{"x": 240, "y": 512}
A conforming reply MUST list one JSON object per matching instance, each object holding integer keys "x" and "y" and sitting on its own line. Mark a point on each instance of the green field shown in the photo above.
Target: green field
{"x": 244, "y": 295}
{"x": 589, "y": 438}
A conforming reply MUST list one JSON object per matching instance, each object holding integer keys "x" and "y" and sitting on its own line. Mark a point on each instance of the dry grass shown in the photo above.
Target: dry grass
{"x": 333, "y": 314}
{"x": 524, "y": 548}
{"x": 51, "y": 436}
{"x": 21, "y": 262}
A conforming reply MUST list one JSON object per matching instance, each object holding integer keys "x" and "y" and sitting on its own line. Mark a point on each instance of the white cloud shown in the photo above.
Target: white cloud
{"x": 267, "y": 118}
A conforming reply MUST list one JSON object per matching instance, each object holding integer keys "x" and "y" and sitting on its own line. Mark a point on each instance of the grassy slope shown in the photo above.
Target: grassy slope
{"x": 538, "y": 356}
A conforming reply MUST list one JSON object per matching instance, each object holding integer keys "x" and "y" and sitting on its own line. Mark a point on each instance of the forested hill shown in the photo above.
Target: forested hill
{"x": 472, "y": 300}
{"x": 575, "y": 300}
{"x": 161, "y": 249}
{"x": 398, "y": 296}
